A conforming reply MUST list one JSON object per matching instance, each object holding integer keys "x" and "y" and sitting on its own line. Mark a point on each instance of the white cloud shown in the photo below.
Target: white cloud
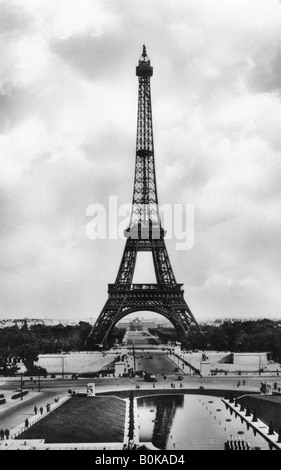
{"x": 68, "y": 107}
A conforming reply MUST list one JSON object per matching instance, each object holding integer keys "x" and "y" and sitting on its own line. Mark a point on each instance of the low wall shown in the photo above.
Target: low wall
{"x": 72, "y": 363}
{"x": 247, "y": 359}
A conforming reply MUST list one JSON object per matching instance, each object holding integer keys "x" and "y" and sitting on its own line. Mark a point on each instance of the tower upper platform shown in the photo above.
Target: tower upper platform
{"x": 144, "y": 68}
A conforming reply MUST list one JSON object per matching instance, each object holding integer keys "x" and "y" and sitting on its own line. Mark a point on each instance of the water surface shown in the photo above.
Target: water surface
{"x": 191, "y": 422}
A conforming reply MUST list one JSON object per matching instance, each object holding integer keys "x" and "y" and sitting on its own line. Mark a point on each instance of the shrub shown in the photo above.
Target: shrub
{"x": 270, "y": 430}
{"x": 19, "y": 395}
{"x": 37, "y": 371}
{"x": 255, "y": 418}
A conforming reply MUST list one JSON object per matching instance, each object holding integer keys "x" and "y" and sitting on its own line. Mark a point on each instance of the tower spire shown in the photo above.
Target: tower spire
{"x": 144, "y": 54}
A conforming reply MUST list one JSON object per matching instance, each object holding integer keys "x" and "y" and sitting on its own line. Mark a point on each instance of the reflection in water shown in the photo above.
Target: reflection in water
{"x": 164, "y": 416}
{"x": 191, "y": 422}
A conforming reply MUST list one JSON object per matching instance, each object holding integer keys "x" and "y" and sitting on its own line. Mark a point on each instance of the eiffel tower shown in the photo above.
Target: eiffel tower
{"x": 144, "y": 233}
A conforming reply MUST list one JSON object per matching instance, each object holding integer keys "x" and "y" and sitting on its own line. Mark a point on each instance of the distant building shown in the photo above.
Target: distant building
{"x": 141, "y": 324}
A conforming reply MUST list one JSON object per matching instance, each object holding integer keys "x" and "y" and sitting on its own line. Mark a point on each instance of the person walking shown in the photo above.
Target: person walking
{"x": 35, "y": 410}
{"x": 7, "y": 433}
{"x": 26, "y": 423}
{"x": 41, "y": 410}
{"x": 2, "y": 434}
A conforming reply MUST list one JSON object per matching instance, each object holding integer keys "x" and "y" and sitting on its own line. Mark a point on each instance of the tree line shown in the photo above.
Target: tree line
{"x": 234, "y": 336}
{"x": 26, "y": 343}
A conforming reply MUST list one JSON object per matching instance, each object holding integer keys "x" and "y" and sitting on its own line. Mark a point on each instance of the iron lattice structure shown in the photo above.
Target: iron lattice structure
{"x": 144, "y": 233}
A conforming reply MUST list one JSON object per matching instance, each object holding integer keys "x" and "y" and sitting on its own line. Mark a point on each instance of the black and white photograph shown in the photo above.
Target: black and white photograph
{"x": 140, "y": 228}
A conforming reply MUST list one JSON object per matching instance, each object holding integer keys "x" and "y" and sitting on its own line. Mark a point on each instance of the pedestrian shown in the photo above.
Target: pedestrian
{"x": 7, "y": 433}
{"x": 35, "y": 410}
{"x": 41, "y": 410}
{"x": 26, "y": 423}
{"x": 2, "y": 434}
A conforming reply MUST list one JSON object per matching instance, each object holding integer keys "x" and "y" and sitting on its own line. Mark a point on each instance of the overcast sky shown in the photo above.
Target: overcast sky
{"x": 68, "y": 108}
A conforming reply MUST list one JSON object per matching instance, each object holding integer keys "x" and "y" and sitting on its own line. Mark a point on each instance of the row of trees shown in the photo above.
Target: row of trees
{"x": 234, "y": 336}
{"x": 27, "y": 343}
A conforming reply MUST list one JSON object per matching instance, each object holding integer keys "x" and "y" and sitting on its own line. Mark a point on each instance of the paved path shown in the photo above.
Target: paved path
{"x": 16, "y": 414}
{"x": 154, "y": 362}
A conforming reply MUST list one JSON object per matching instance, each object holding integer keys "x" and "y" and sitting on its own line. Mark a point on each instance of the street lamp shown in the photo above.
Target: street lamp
{"x": 21, "y": 386}
{"x": 62, "y": 368}
{"x": 134, "y": 357}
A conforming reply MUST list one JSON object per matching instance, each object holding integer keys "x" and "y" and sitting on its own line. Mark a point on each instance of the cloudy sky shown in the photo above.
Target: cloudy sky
{"x": 68, "y": 107}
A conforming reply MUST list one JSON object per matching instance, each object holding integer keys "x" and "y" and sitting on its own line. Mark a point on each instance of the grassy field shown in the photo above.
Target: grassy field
{"x": 81, "y": 419}
{"x": 268, "y": 408}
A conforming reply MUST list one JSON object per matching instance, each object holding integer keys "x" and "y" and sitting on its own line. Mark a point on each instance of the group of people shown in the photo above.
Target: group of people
{"x": 237, "y": 444}
{"x": 174, "y": 385}
{"x": 36, "y": 411}
{"x": 276, "y": 388}
{"x": 4, "y": 434}
{"x": 41, "y": 410}
{"x": 239, "y": 383}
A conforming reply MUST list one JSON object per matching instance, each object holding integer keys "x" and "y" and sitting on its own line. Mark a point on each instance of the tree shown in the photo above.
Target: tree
{"x": 255, "y": 419}
{"x": 28, "y": 353}
{"x": 270, "y": 429}
{"x": 37, "y": 371}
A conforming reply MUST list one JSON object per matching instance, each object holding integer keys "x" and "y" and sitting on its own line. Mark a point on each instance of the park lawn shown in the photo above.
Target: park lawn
{"x": 268, "y": 408}
{"x": 81, "y": 420}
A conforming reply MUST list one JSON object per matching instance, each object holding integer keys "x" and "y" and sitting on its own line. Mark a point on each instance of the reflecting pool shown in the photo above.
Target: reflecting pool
{"x": 191, "y": 422}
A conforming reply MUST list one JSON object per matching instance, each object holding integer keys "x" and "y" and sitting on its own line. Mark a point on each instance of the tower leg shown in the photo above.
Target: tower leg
{"x": 169, "y": 303}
